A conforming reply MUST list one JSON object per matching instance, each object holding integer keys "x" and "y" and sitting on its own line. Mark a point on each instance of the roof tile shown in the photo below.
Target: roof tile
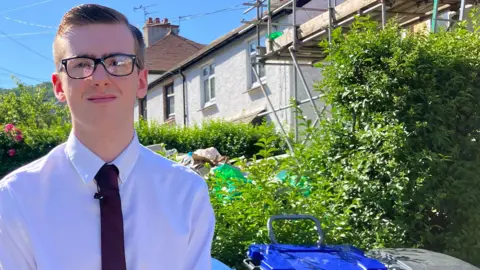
{"x": 169, "y": 51}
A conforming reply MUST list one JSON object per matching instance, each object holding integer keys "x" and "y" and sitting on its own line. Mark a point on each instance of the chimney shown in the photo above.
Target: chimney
{"x": 154, "y": 30}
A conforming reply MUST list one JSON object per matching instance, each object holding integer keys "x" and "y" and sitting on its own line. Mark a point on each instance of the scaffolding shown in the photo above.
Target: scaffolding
{"x": 297, "y": 45}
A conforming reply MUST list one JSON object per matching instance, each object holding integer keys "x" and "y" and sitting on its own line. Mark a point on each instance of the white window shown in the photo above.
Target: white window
{"x": 252, "y": 49}
{"x": 169, "y": 101}
{"x": 208, "y": 79}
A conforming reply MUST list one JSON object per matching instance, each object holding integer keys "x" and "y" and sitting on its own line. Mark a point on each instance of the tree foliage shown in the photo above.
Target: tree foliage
{"x": 397, "y": 162}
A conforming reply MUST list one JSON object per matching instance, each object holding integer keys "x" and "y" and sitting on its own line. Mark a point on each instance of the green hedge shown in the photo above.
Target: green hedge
{"x": 396, "y": 165}
{"x": 230, "y": 139}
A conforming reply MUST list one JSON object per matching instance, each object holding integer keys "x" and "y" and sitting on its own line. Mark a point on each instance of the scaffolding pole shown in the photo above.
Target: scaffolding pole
{"x": 289, "y": 106}
{"x": 462, "y": 10}
{"x": 292, "y": 61}
{"x": 384, "y": 14}
{"x": 272, "y": 108}
{"x": 304, "y": 82}
{"x": 434, "y": 16}
{"x": 295, "y": 79}
{"x": 331, "y": 13}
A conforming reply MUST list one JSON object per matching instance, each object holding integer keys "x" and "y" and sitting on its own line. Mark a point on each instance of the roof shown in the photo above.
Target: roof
{"x": 215, "y": 45}
{"x": 169, "y": 51}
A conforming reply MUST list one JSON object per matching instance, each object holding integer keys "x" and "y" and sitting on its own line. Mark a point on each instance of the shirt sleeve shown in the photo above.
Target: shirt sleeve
{"x": 14, "y": 250}
{"x": 201, "y": 237}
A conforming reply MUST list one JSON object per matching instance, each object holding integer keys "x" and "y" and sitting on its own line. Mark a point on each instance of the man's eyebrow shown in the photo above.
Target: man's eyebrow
{"x": 83, "y": 55}
{"x": 93, "y": 56}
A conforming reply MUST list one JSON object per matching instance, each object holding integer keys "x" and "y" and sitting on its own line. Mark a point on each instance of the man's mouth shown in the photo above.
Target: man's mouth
{"x": 101, "y": 99}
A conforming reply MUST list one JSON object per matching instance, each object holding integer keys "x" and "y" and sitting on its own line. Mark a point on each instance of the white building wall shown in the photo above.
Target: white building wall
{"x": 178, "y": 89}
{"x": 153, "y": 77}
{"x": 234, "y": 93}
{"x": 155, "y": 111}
{"x": 135, "y": 111}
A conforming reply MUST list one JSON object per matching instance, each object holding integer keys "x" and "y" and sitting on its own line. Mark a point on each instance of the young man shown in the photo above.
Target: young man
{"x": 101, "y": 200}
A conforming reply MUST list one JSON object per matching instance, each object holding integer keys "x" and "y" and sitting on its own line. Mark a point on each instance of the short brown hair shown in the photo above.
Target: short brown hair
{"x": 87, "y": 14}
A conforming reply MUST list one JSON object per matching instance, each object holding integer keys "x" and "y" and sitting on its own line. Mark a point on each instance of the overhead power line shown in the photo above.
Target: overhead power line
{"x": 21, "y": 75}
{"x": 199, "y": 15}
{"x": 26, "y": 47}
{"x": 27, "y": 34}
{"x": 28, "y": 23}
{"x": 24, "y": 7}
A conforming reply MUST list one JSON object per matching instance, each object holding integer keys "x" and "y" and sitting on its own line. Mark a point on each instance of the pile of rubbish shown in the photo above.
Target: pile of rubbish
{"x": 210, "y": 161}
{"x": 203, "y": 161}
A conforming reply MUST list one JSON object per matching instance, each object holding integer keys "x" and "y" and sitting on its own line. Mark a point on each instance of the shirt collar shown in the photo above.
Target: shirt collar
{"x": 87, "y": 164}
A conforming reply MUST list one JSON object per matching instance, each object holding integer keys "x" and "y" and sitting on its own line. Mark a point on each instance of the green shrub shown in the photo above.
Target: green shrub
{"x": 43, "y": 125}
{"x": 32, "y": 109}
{"x": 230, "y": 139}
{"x": 11, "y": 147}
{"x": 397, "y": 162}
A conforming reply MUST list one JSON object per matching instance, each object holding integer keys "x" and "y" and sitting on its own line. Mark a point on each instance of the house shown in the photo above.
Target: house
{"x": 217, "y": 82}
{"x": 164, "y": 49}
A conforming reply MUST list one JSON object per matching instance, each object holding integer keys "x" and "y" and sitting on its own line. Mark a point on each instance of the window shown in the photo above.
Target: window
{"x": 208, "y": 78}
{"x": 142, "y": 108}
{"x": 169, "y": 101}
{"x": 252, "y": 49}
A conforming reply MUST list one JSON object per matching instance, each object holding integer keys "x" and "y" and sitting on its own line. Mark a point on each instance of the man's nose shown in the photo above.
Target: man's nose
{"x": 100, "y": 76}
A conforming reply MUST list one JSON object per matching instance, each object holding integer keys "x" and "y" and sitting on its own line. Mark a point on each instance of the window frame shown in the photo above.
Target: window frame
{"x": 252, "y": 54}
{"x": 209, "y": 76}
{"x": 167, "y": 100}
{"x": 142, "y": 107}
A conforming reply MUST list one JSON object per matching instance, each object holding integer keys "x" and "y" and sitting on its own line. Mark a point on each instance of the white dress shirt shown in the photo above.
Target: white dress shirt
{"x": 49, "y": 219}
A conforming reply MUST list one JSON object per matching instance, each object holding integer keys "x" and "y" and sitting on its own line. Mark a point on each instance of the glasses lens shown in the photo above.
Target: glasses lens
{"x": 80, "y": 67}
{"x": 119, "y": 65}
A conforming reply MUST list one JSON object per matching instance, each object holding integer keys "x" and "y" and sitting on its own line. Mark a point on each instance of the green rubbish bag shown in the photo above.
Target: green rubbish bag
{"x": 226, "y": 173}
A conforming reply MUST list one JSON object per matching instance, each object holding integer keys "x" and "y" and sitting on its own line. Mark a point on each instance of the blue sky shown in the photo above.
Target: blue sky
{"x": 32, "y": 25}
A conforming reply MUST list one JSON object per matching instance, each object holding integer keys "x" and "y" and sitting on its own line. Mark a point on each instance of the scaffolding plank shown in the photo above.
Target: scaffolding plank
{"x": 321, "y": 21}
{"x": 314, "y": 30}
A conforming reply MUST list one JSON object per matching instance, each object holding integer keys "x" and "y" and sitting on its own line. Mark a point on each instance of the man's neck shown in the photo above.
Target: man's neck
{"x": 106, "y": 144}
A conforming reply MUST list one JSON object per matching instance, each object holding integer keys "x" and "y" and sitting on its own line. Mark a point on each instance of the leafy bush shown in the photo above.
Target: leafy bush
{"x": 230, "y": 139}
{"x": 11, "y": 145}
{"x": 32, "y": 109}
{"x": 397, "y": 162}
{"x": 41, "y": 123}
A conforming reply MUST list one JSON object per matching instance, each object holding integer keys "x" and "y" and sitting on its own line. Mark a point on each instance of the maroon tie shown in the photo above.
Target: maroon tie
{"x": 112, "y": 243}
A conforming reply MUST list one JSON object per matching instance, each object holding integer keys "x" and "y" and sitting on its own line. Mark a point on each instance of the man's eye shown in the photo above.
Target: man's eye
{"x": 118, "y": 63}
{"x": 82, "y": 65}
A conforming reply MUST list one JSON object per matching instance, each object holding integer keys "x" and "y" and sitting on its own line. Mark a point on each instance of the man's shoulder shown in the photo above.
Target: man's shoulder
{"x": 31, "y": 170}
{"x": 157, "y": 162}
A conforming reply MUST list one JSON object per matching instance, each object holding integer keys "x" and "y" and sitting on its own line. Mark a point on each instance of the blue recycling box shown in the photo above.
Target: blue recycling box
{"x": 325, "y": 257}
{"x": 276, "y": 256}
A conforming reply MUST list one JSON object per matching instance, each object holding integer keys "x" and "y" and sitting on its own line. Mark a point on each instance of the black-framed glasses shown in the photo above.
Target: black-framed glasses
{"x": 81, "y": 67}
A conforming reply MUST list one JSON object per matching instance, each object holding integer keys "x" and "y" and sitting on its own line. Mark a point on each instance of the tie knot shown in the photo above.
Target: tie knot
{"x": 107, "y": 177}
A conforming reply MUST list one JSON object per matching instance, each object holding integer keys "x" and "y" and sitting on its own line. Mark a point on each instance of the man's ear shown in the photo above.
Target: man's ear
{"x": 57, "y": 88}
{"x": 142, "y": 83}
